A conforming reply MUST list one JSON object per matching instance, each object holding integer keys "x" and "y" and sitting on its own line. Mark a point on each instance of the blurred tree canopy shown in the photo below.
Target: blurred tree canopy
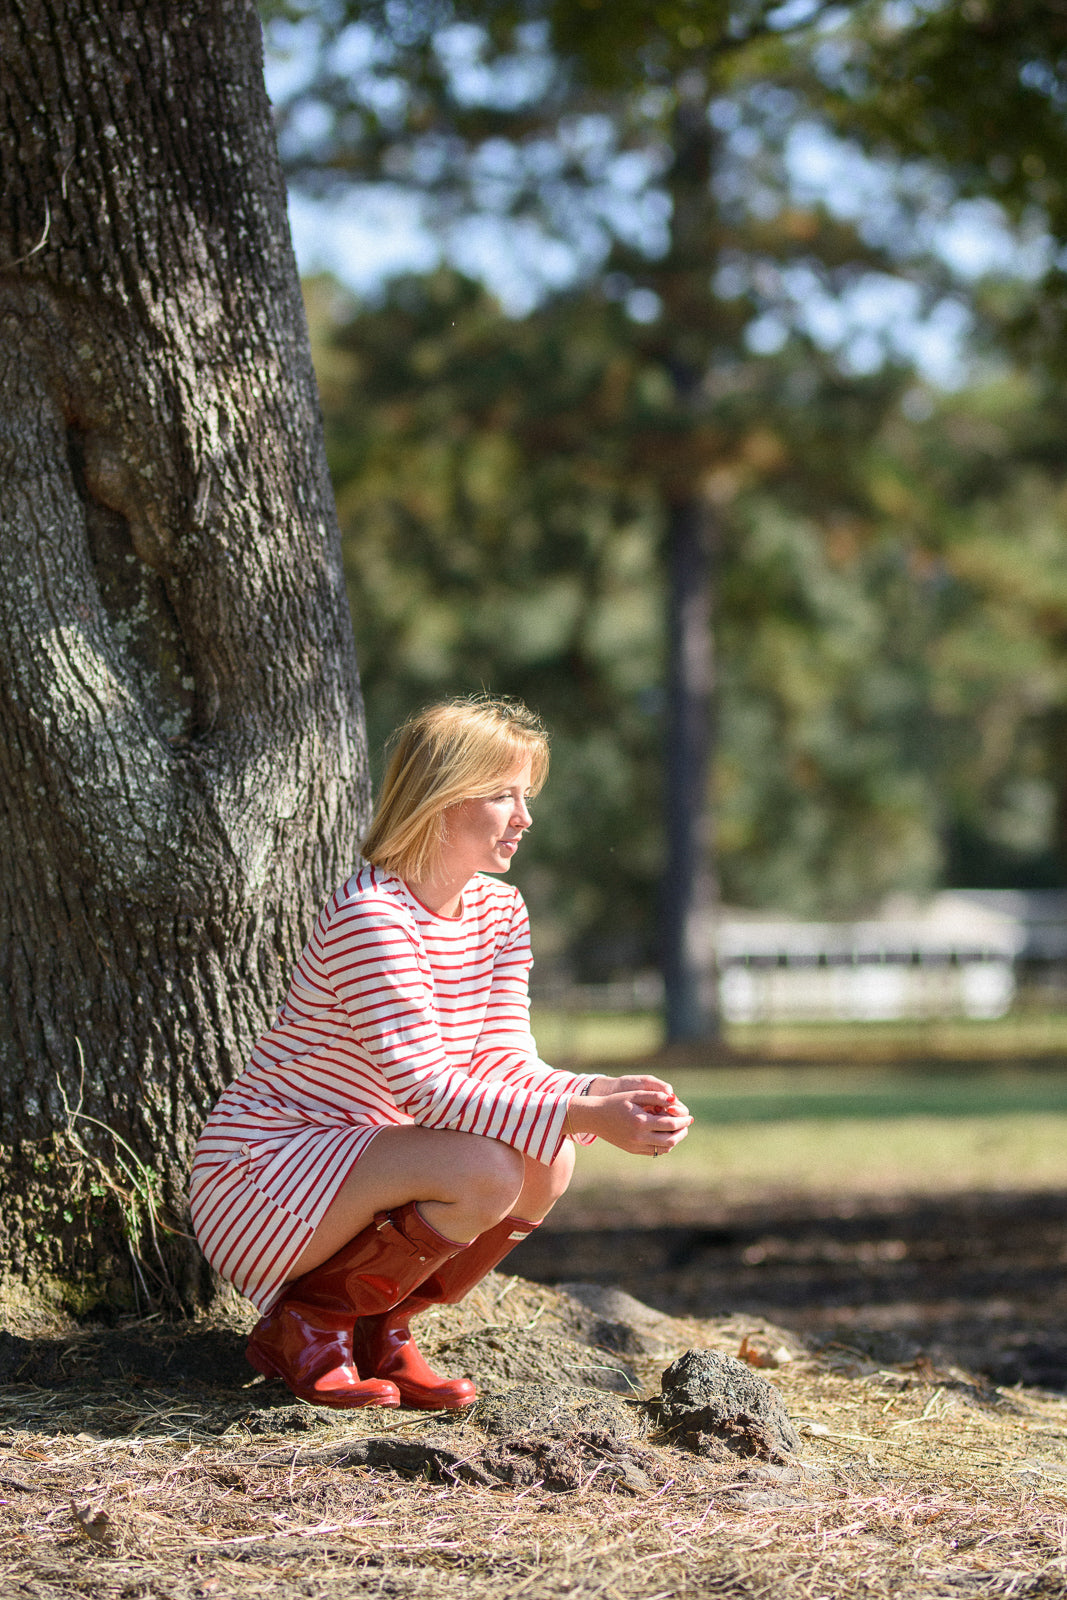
{"x": 883, "y": 561}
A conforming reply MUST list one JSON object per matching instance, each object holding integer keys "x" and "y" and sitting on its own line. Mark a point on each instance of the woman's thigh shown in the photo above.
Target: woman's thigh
{"x": 464, "y": 1183}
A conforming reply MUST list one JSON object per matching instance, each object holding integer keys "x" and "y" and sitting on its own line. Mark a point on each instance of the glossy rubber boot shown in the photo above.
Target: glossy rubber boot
{"x": 306, "y": 1337}
{"x": 383, "y": 1344}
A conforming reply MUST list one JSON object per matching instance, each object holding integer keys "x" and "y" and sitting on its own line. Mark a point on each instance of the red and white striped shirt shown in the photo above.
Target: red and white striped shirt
{"x": 394, "y": 1015}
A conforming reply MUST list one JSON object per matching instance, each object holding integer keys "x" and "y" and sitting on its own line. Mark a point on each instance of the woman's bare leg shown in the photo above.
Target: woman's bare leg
{"x": 463, "y": 1182}
{"x": 542, "y": 1186}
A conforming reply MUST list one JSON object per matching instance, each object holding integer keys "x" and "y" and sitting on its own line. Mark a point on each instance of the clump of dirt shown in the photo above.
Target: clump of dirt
{"x": 557, "y": 1459}
{"x": 716, "y": 1405}
{"x": 548, "y": 1407}
{"x": 562, "y": 1437}
{"x": 561, "y": 1462}
{"x": 500, "y": 1357}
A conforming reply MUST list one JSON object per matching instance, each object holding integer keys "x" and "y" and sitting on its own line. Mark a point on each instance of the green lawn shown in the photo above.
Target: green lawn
{"x": 833, "y": 1130}
{"x": 613, "y": 1036}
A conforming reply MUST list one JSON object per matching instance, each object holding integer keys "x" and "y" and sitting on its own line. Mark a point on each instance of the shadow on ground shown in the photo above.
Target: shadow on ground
{"x": 976, "y": 1279}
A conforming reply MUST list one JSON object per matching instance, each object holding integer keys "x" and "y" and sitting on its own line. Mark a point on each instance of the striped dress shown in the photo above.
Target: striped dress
{"x": 394, "y": 1015}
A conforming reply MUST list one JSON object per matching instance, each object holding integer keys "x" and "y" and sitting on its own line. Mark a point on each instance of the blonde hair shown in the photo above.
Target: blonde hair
{"x": 448, "y": 753}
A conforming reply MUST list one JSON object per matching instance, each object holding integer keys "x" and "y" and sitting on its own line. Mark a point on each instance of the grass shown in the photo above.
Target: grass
{"x": 827, "y": 1109}
{"x": 615, "y": 1036}
{"x": 595, "y": 1035}
{"x": 829, "y": 1131}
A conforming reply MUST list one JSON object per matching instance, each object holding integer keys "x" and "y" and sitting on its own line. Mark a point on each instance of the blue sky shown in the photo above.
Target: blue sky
{"x": 370, "y": 233}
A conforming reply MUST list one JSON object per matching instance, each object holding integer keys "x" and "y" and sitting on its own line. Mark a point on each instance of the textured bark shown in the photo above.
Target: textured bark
{"x": 182, "y": 775}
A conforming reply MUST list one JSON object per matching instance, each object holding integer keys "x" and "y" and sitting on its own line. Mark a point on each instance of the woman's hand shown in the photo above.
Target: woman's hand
{"x": 602, "y": 1086}
{"x": 639, "y": 1114}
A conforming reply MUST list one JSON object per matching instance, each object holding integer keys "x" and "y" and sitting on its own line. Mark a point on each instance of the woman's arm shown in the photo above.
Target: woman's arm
{"x": 506, "y": 1051}
{"x": 371, "y": 958}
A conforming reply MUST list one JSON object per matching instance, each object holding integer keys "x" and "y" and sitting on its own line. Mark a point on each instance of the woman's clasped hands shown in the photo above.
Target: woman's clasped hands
{"x": 639, "y": 1114}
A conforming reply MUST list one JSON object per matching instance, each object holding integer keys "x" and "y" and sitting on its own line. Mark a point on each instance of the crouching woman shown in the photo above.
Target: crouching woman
{"x": 395, "y": 1134}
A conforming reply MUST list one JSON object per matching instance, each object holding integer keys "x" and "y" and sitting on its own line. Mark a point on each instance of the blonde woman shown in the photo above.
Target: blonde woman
{"x": 395, "y": 1135}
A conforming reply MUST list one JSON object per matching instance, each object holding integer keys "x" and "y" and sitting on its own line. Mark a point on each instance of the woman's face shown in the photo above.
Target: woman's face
{"x": 482, "y": 835}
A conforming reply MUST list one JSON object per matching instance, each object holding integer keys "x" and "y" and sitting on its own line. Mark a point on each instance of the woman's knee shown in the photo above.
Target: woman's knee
{"x": 494, "y": 1177}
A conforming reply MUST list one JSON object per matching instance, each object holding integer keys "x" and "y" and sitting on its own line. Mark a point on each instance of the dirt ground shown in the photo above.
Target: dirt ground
{"x": 975, "y": 1279}
{"x": 917, "y": 1348}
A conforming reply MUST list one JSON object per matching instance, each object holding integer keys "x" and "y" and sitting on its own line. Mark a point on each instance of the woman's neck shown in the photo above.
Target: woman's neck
{"x": 444, "y": 897}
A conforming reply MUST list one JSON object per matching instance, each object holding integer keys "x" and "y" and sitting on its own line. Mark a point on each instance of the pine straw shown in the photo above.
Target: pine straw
{"x": 912, "y": 1482}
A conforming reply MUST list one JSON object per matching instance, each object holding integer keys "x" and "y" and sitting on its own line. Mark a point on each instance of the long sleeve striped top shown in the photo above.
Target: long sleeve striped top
{"x": 398, "y": 1015}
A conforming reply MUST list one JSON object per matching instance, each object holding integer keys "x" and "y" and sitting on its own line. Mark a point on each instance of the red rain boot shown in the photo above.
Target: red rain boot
{"x": 383, "y": 1344}
{"x": 306, "y": 1339}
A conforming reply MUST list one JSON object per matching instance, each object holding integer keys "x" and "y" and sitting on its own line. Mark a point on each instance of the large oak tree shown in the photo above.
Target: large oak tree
{"x": 182, "y": 772}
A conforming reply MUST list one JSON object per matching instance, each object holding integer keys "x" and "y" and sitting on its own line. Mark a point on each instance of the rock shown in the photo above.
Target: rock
{"x": 713, "y": 1404}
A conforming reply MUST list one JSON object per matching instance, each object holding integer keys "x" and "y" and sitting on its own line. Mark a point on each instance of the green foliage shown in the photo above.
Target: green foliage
{"x": 492, "y": 541}
{"x": 988, "y": 488}
{"x": 502, "y": 530}
{"x": 891, "y": 616}
{"x": 971, "y": 95}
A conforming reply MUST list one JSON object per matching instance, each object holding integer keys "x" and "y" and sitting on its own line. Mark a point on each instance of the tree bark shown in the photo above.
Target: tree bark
{"x": 183, "y": 774}
{"x": 688, "y": 959}
{"x": 689, "y": 886}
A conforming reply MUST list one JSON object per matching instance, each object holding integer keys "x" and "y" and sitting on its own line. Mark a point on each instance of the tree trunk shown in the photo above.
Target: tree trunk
{"x": 689, "y": 968}
{"x": 183, "y": 776}
{"x": 689, "y": 888}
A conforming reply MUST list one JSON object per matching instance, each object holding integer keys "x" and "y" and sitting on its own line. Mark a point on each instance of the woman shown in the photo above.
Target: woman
{"x": 395, "y": 1135}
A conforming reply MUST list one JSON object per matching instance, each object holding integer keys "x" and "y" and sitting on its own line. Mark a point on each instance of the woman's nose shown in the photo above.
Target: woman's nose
{"x": 521, "y": 817}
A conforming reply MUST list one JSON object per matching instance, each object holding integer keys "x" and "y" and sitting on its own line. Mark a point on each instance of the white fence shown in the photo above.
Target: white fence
{"x": 958, "y": 954}
{"x": 868, "y": 991}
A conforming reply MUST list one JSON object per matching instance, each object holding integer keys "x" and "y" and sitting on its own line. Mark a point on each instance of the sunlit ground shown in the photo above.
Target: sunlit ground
{"x": 961, "y": 1109}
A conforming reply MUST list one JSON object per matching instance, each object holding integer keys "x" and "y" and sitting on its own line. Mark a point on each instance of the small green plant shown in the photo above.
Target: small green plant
{"x": 130, "y": 1183}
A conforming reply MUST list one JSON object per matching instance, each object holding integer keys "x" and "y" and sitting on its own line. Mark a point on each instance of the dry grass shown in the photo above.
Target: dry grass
{"x": 912, "y": 1482}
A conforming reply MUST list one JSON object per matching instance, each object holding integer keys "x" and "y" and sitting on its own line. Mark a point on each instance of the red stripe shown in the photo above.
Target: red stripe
{"x": 391, "y": 1014}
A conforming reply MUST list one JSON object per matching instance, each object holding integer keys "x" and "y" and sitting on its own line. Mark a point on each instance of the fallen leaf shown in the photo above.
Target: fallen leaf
{"x": 93, "y": 1525}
